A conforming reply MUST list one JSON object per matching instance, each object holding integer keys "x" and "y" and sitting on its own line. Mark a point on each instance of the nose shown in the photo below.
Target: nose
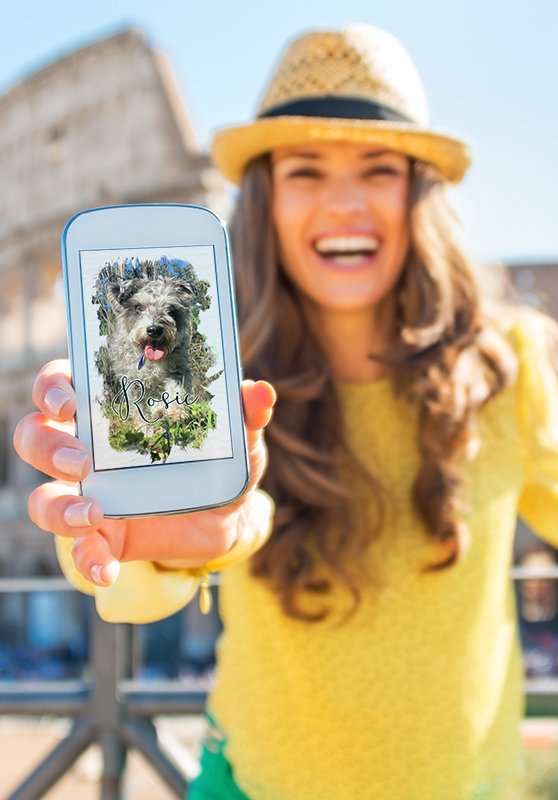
{"x": 154, "y": 331}
{"x": 345, "y": 197}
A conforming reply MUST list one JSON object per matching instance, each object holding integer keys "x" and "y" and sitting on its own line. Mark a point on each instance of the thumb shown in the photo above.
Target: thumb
{"x": 258, "y": 398}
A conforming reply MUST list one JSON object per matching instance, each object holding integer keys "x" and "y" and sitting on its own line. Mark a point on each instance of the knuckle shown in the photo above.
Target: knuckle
{"x": 23, "y": 435}
{"x": 33, "y": 505}
{"x": 18, "y": 435}
{"x": 85, "y": 553}
{"x": 83, "y": 547}
{"x": 79, "y": 553}
{"x": 43, "y": 510}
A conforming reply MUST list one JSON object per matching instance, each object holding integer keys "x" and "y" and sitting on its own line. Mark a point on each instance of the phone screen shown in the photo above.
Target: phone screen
{"x": 157, "y": 388}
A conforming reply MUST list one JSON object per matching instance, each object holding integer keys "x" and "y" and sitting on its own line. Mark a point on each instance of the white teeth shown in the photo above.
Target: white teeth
{"x": 347, "y": 245}
{"x": 347, "y": 260}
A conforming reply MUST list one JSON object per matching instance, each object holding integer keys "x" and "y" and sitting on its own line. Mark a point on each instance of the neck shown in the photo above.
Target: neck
{"x": 349, "y": 338}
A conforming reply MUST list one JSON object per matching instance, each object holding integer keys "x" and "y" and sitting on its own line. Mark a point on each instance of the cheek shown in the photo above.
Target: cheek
{"x": 287, "y": 221}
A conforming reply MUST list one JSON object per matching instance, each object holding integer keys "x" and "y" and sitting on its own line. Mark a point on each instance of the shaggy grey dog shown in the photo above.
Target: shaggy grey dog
{"x": 150, "y": 341}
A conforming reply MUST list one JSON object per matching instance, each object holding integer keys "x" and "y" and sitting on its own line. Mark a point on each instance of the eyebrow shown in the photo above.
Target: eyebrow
{"x": 316, "y": 156}
{"x": 299, "y": 155}
{"x": 378, "y": 153}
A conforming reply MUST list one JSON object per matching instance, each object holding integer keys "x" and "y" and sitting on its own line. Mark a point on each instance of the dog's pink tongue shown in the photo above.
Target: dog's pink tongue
{"x": 153, "y": 353}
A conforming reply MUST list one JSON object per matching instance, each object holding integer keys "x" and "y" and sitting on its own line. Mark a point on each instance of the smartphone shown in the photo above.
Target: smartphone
{"x": 152, "y": 338}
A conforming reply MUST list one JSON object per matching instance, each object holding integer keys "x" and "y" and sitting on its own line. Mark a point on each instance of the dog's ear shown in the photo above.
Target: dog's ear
{"x": 185, "y": 290}
{"x": 120, "y": 293}
{"x": 113, "y": 295}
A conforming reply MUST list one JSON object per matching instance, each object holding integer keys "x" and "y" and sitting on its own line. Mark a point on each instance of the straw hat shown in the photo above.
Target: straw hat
{"x": 355, "y": 85}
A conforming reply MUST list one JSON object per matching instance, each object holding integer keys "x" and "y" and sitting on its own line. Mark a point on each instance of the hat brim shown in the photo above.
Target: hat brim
{"x": 233, "y": 148}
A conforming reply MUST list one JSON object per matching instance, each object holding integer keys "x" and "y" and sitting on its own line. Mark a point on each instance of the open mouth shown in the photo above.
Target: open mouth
{"x": 346, "y": 250}
{"x": 153, "y": 351}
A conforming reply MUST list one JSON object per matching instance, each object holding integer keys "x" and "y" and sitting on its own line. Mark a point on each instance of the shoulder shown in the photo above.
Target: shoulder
{"x": 532, "y": 335}
{"x": 521, "y": 321}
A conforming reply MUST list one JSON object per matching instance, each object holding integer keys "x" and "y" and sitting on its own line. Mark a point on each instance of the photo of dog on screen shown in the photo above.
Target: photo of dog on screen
{"x": 156, "y": 366}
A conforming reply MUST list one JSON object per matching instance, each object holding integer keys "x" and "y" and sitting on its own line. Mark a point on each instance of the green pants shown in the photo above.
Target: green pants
{"x": 215, "y": 782}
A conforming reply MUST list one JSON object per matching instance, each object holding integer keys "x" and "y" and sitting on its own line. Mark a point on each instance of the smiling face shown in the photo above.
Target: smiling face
{"x": 340, "y": 212}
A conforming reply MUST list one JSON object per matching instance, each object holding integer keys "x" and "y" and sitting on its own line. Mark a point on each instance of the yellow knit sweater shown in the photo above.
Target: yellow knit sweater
{"x": 418, "y": 695}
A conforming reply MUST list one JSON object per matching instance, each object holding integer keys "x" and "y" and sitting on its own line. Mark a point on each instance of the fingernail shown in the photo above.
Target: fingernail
{"x": 95, "y": 573}
{"x": 55, "y": 399}
{"x": 78, "y": 515}
{"x": 70, "y": 461}
{"x": 111, "y": 572}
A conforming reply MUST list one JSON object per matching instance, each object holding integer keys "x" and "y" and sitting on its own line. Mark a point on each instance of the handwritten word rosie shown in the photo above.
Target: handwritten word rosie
{"x": 133, "y": 392}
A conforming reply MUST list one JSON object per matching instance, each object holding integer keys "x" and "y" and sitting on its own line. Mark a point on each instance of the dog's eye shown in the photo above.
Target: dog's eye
{"x": 138, "y": 308}
{"x": 173, "y": 312}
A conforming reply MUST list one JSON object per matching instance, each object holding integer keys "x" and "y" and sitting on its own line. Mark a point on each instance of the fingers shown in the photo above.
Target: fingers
{"x": 45, "y": 440}
{"x": 49, "y": 449}
{"x": 58, "y": 508}
{"x": 100, "y": 543}
{"x": 94, "y": 560}
{"x": 53, "y": 393}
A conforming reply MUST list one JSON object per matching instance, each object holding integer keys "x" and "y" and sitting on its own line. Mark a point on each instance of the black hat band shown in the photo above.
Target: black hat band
{"x": 337, "y": 108}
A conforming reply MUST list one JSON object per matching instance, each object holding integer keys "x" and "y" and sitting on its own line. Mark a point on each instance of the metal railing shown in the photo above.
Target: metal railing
{"x": 541, "y": 694}
{"x": 108, "y": 709}
{"x": 117, "y": 713}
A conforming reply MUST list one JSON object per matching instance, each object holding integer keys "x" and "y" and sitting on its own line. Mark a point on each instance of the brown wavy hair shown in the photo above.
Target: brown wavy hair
{"x": 448, "y": 361}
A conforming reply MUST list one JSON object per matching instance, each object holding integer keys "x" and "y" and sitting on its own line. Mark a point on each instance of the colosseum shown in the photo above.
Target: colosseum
{"x": 101, "y": 126}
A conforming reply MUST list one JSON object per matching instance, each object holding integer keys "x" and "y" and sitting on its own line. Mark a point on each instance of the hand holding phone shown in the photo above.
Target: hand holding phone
{"x": 155, "y": 365}
{"x": 155, "y": 387}
{"x": 178, "y": 540}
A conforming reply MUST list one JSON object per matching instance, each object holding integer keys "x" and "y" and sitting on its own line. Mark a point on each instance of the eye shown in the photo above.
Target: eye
{"x": 382, "y": 170}
{"x": 304, "y": 172}
{"x": 173, "y": 311}
{"x": 138, "y": 308}
{"x": 387, "y": 170}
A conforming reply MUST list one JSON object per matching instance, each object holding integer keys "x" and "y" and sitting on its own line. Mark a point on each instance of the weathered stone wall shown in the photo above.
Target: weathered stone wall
{"x": 103, "y": 125}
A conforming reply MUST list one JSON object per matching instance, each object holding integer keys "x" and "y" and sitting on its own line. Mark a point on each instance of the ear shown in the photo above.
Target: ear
{"x": 120, "y": 293}
{"x": 185, "y": 290}
{"x": 113, "y": 295}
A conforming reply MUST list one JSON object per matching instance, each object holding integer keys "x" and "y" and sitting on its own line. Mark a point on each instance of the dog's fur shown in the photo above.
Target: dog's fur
{"x": 161, "y": 306}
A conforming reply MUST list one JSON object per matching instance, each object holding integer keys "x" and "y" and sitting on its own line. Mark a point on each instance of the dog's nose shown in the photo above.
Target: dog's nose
{"x": 154, "y": 331}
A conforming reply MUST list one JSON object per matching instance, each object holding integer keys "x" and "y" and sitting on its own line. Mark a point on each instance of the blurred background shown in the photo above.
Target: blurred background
{"x": 112, "y": 103}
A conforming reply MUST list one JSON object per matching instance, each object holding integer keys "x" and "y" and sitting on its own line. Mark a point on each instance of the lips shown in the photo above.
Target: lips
{"x": 347, "y": 250}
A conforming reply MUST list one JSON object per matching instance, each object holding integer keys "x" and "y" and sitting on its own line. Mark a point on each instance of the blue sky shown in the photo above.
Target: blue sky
{"x": 490, "y": 70}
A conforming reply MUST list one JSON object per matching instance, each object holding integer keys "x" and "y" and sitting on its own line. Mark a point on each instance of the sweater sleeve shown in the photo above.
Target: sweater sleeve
{"x": 145, "y": 592}
{"x": 538, "y": 408}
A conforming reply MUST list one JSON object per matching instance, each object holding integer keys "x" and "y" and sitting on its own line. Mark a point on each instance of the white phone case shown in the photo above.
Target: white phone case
{"x": 154, "y": 352}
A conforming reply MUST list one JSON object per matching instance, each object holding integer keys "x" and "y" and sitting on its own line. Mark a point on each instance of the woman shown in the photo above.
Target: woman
{"x": 370, "y": 646}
